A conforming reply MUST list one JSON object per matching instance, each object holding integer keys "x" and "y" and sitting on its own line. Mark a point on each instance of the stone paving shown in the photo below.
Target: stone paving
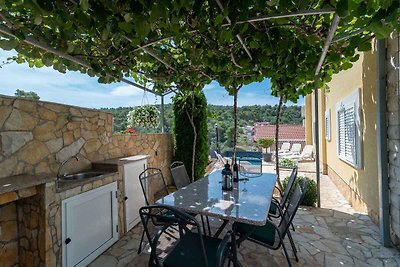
{"x": 334, "y": 235}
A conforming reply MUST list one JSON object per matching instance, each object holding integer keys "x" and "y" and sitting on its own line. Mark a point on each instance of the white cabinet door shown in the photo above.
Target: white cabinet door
{"x": 89, "y": 225}
{"x": 134, "y": 198}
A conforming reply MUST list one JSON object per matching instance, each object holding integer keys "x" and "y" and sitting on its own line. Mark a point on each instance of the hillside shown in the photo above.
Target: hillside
{"x": 223, "y": 116}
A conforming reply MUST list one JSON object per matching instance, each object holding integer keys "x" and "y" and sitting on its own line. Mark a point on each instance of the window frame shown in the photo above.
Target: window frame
{"x": 353, "y": 100}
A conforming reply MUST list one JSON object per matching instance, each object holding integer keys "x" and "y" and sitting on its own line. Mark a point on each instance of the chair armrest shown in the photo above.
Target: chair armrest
{"x": 154, "y": 241}
{"x": 223, "y": 247}
{"x": 280, "y": 190}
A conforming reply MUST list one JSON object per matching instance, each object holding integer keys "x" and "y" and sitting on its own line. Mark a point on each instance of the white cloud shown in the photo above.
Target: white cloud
{"x": 212, "y": 85}
{"x": 126, "y": 90}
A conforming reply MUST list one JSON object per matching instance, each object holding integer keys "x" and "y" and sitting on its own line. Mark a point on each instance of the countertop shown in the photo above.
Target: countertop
{"x": 122, "y": 160}
{"x": 17, "y": 182}
{"x": 63, "y": 185}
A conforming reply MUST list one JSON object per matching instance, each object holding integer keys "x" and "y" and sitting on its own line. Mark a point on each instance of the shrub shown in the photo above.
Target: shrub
{"x": 265, "y": 142}
{"x": 184, "y": 133}
{"x": 287, "y": 163}
{"x": 310, "y": 198}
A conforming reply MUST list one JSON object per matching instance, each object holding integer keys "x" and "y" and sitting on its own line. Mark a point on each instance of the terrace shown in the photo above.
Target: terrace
{"x": 71, "y": 189}
{"x": 333, "y": 235}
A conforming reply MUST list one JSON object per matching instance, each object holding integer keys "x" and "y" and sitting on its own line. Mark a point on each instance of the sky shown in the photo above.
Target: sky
{"x": 75, "y": 88}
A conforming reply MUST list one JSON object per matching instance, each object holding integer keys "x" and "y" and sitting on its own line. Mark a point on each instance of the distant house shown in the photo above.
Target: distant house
{"x": 291, "y": 133}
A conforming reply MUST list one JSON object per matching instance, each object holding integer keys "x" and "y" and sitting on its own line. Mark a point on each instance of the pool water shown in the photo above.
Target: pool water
{"x": 253, "y": 161}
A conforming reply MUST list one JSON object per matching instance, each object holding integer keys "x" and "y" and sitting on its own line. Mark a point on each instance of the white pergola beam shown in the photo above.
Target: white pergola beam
{"x": 237, "y": 35}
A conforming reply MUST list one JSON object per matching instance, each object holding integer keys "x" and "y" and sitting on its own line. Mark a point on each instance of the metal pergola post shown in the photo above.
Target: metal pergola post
{"x": 383, "y": 176}
{"x": 316, "y": 140}
{"x": 162, "y": 114}
{"x": 329, "y": 38}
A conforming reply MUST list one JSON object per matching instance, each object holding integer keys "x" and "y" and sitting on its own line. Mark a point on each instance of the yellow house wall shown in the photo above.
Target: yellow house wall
{"x": 309, "y": 124}
{"x": 308, "y": 120}
{"x": 360, "y": 186}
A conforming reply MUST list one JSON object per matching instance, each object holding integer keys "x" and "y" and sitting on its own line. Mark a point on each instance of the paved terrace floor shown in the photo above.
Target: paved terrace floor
{"x": 334, "y": 235}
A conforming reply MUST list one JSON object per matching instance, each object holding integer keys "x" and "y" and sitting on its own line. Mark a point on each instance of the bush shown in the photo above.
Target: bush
{"x": 184, "y": 134}
{"x": 265, "y": 142}
{"x": 310, "y": 198}
{"x": 287, "y": 163}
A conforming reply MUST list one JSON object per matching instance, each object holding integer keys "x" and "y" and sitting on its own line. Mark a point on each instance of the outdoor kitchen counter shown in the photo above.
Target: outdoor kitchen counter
{"x": 107, "y": 177}
{"x": 121, "y": 160}
{"x": 21, "y": 186}
{"x": 22, "y": 181}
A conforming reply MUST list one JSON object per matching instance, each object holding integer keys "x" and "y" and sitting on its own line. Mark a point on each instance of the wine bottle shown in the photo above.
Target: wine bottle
{"x": 235, "y": 173}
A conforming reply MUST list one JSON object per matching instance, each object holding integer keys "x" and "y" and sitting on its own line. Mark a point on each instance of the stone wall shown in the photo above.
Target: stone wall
{"x": 36, "y": 137}
{"x": 9, "y": 235}
{"x": 393, "y": 102}
{"x": 30, "y": 222}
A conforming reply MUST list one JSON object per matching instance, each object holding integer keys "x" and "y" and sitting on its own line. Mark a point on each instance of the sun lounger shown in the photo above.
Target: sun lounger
{"x": 306, "y": 154}
{"x": 285, "y": 148}
{"x": 295, "y": 150}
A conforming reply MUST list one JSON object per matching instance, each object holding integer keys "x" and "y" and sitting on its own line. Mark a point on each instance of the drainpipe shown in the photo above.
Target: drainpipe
{"x": 162, "y": 114}
{"x": 316, "y": 133}
{"x": 384, "y": 220}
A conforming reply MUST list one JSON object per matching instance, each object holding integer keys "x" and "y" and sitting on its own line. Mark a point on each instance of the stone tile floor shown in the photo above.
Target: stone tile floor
{"x": 334, "y": 235}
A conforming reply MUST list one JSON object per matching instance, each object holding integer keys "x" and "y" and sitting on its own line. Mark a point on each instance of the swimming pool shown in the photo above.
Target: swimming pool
{"x": 253, "y": 161}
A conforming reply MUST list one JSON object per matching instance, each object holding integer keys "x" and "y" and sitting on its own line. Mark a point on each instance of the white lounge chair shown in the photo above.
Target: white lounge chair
{"x": 285, "y": 148}
{"x": 294, "y": 151}
{"x": 306, "y": 154}
{"x": 221, "y": 160}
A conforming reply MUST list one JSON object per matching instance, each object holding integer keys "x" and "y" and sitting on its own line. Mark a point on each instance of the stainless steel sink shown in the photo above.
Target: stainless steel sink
{"x": 82, "y": 175}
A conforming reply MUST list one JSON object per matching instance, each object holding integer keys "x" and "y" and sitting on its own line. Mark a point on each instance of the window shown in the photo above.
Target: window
{"x": 328, "y": 125}
{"x": 348, "y": 130}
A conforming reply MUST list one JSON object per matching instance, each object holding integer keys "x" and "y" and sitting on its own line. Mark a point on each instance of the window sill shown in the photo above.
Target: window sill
{"x": 352, "y": 164}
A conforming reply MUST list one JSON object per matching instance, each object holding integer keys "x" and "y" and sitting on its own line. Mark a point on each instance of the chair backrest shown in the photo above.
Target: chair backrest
{"x": 294, "y": 202}
{"x": 289, "y": 187}
{"x": 285, "y": 146}
{"x": 308, "y": 151}
{"x": 179, "y": 174}
{"x": 185, "y": 222}
{"x": 153, "y": 185}
{"x": 296, "y": 148}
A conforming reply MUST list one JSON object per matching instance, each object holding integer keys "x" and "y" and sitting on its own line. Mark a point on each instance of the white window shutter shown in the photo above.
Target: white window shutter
{"x": 347, "y": 129}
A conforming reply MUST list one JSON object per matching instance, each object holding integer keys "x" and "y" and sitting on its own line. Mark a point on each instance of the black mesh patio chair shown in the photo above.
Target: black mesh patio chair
{"x": 179, "y": 174}
{"x": 278, "y": 206}
{"x": 181, "y": 179}
{"x": 192, "y": 248}
{"x": 271, "y": 235}
{"x": 153, "y": 187}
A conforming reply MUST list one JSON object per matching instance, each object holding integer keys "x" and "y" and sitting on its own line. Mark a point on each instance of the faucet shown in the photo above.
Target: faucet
{"x": 62, "y": 164}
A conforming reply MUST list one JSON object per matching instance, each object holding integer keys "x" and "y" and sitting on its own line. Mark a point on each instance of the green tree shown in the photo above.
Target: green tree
{"x": 25, "y": 94}
{"x": 184, "y": 110}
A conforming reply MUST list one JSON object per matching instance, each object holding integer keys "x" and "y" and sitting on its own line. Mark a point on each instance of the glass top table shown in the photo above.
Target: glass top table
{"x": 248, "y": 202}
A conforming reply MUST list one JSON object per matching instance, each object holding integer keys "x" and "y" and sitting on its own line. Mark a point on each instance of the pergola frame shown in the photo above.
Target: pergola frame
{"x": 147, "y": 49}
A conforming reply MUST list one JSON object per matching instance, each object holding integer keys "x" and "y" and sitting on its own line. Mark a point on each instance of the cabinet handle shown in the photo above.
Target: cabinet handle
{"x": 67, "y": 241}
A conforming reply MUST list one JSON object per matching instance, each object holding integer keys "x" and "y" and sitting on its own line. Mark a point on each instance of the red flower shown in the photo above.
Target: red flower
{"x": 131, "y": 131}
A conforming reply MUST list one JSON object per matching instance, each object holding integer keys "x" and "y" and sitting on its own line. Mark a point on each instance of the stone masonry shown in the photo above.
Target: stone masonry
{"x": 35, "y": 138}
{"x": 393, "y": 112}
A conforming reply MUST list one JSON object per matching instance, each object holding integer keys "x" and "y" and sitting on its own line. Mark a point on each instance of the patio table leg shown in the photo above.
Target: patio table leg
{"x": 221, "y": 228}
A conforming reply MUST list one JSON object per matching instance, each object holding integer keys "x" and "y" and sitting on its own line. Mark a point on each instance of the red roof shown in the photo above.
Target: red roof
{"x": 286, "y": 131}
